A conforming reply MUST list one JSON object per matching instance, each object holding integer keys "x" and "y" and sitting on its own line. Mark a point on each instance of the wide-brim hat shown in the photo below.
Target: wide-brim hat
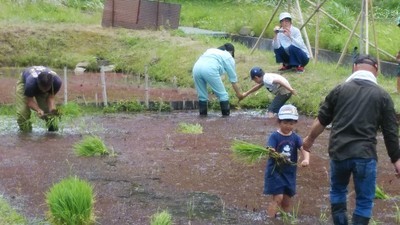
{"x": 288, "y": 112}
{"x": 284, "y": 15}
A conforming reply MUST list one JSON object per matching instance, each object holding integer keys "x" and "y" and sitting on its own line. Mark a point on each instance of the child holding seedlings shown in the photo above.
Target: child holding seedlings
{"x": 280, "y": 173}
{"x": 274, "y": 83}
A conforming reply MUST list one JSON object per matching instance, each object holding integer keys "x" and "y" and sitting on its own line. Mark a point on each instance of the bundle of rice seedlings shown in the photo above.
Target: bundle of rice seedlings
{"x": 71, "y": 202}
{"x": 380, "y": 194}
{"x": 252, "y": 153}
{"x": 91, "y": 146}
{"x": 161, "y": 218}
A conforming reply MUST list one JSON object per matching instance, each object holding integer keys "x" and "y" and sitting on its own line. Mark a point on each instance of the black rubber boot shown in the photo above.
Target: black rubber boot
{"x": 225, "y": 108}
{"x": 339, "y": 214}
{"x": 359, "y": 220}
{"x": 203, "y": 108}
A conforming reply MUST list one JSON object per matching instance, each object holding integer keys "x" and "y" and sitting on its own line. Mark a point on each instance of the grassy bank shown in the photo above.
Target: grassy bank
{"x": 59, "y": 35}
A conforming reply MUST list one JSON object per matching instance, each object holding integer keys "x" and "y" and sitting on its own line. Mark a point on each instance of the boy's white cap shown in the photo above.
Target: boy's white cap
{"x": 288, "y": 112}
{"x": 284, "y": 15}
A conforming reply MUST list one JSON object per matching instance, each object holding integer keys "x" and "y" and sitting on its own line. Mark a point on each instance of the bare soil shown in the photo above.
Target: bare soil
{"x": 194, "y": 177}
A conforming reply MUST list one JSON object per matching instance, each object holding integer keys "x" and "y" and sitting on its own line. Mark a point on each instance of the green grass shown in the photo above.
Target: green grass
{"x": 70, "y": 202}
{"x": 27, "y": 34}
{"x": 8, "y": 215}
{"x": 91, "y": 146}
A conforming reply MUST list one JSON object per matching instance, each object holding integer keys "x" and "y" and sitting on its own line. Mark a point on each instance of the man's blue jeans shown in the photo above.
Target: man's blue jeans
{"x": 364, "y": 178}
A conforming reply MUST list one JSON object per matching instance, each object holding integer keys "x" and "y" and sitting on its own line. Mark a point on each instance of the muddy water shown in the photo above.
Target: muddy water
{"x": 156, "y": 168}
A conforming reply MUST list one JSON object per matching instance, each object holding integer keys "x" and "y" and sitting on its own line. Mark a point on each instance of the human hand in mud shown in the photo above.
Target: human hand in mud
{"x": 53, "y": 113}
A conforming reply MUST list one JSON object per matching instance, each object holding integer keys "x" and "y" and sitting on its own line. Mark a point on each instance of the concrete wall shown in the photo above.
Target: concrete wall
{"x": 387, "y": 68}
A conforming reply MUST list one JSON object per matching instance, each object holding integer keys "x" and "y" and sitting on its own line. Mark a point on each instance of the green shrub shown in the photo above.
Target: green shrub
{"x": 71, "y": 202}
{"x": 91, "y": 146}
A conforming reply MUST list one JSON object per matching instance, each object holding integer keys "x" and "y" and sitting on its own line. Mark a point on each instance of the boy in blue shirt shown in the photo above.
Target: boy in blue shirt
{"x": 280, "y": 178}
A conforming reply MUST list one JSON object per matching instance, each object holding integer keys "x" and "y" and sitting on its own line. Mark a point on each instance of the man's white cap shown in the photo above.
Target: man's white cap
{"x": 288, "y": 112}
{"x": 284, "y": 15}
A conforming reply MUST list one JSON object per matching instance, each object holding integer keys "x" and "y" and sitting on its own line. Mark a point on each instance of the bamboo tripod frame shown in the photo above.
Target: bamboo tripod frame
{"x": 318, "y": 10}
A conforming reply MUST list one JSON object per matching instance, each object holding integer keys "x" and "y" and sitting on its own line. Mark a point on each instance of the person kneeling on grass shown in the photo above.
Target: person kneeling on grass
{"x": 280, "y": 177}
{"x": 36, "y": 90}
{"x": 274, "y": 83}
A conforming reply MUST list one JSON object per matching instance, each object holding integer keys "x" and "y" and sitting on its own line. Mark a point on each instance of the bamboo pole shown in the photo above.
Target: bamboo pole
{"x": 65, "y": 86}
{"x": 366, "y": 27}
{"x": 304, "y": 30}
{"x": 266, "y": 26}
{"x": 315, "y": 11}
{"x": 348, "y": 40}
{"x": 316, "y": 47}
{"x": 345, "y": 27}
{"x": 375, "y": 39}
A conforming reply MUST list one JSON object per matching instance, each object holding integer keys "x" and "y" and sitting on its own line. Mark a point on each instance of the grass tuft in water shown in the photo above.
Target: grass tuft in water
{"x": 91, "y": 146}
{"x": 70, "y": 202}
{"x": 161, "y": 218}
{"x": 187, "y": 128}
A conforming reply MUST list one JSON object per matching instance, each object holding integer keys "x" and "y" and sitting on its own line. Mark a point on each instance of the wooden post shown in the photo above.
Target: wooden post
{"x": 103, "y": 85}
{"x": 65, "y": 86}
{"x": 266, "y": 26}
{"x": 146, "y": 87}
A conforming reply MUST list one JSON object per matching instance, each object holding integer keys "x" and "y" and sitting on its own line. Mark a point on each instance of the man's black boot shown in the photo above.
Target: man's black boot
{"x": 359, "y": 220}
{"x": 225, "y": 108}
{"x": 339, "y": 214}
{"x": 203, "y": 108}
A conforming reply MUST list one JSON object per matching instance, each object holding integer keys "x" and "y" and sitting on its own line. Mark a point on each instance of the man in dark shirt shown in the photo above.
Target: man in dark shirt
{"x": 356, "y": 108}
{"x": 36, "y": 90}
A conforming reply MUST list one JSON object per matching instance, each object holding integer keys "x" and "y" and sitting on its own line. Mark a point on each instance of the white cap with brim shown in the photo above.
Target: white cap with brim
{"x": 288, "y": 112}
{"x": 284, "y": 15}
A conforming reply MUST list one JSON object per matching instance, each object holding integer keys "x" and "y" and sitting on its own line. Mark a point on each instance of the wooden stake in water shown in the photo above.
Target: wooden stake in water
{"x": 146, "y": 87}
{"x": 65, "y": 86}
{"x": 103, "y": 85}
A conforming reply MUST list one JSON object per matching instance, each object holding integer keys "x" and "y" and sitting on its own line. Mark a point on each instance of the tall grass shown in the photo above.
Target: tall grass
{"x": 71, "y": 202}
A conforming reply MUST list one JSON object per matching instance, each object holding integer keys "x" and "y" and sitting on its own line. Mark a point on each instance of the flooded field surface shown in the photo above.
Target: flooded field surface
{"x": 193, "y": 176}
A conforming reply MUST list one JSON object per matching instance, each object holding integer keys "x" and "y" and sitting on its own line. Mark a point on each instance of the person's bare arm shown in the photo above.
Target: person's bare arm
{"x": 253, "y": 89}
{"x": 306, "y": 157}
{"x": 31, "y": 103}
{"x": 51, "y": 102}
{"x": 316, "y": 130}
{"x": 237, "y": 91}
{"x": 285, "y": 85}
{"x": 397, "y": 168}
